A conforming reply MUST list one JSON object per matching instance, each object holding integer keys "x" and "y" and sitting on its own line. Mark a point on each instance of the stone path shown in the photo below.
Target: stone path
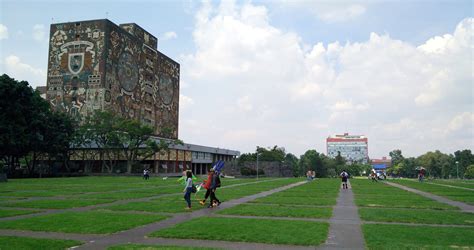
{"x": 345, "y": 225}
{"x": 138, "y": 235}
{"x": 463, "y": 206}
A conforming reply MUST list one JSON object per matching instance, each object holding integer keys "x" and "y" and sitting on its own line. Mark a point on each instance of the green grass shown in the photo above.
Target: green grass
{"x": 56, "y": 204}
{"x": 377, "y": 194}
{"x": 153, "y": 247}
{"x": 417, "y": 237}
{"x": 249, "y": 230}
{"x": 95, "y": 222}
{"x": 279, "y": 211}
{"x": 24, "y": 243}
{"x": 457, "y": 183}
{"x": 320, "y": 192}
{"x": 456, "y": 194}
{"x": 416, "y": 216}
{"x": 8, "y": 212}
{"x": 154, "y": 206}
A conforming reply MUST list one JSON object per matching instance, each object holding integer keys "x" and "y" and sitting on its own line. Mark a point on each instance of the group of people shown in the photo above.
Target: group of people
{"x": 310, "y": 175}
{"x": 211, "y": 184}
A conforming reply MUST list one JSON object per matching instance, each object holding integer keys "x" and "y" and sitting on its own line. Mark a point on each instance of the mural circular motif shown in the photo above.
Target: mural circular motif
{"x": 166, "y": 89}
{"x": 127, "y": 71}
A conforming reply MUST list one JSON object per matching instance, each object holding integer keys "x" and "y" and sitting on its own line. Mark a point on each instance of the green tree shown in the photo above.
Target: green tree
{"x": 292, "y": 161}
{"x": 396, "y": 156}
{"x": 464, "y": 158}
{"x": 469, "y": 174}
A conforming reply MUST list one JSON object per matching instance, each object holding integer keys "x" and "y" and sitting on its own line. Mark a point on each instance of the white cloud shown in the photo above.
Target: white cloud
{"x": 3, "y": 32}
{"x": 39, "y": 32}
{"x": 169, "y": 35}
{"x": 252, "y": 76}
{"x": 341, "y": 14}
{"x": 185, "y": 101}
{"x": 22, "y": 71}
{"x": 328, "y": 11}
{"x": 463, "y": 122}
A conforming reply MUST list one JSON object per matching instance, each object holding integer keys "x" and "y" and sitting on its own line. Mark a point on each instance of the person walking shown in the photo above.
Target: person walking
{"x": 216, "y": 182}
{"x": 207, "y": 186}
{"x": 344, "y": 175}
{"x": 188, "y": 189}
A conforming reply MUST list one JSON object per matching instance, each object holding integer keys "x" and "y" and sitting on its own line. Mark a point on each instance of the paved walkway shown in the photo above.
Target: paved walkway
{"x": 345, "y": 225}
{"x": 138, "y": 235}
{"x": 463, "y": 206}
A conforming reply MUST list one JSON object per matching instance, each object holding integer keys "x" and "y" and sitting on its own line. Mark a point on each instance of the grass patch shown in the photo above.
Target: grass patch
{"x": 154, "y": 206}
{"x": 416, "y": 216}
{"x": 456, "y": 194}
{"x": 12, "y": 242}
{"x": 95, "y": 222}
{"x": 370, "y": 194}
{"x": 417, "y": 237}
{"x": 153, "y": 247}
{"x": 249, "y": 230}
{"x": 56, "y": 204}
{"x": 8, "y": 213}
{"x": 279, "y": 211}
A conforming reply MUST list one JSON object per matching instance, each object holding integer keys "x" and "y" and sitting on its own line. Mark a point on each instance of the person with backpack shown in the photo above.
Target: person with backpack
{"x": 207, "y": 186}
{"x": 188, "y": 189}
{"x": 216, "y": 182}
{"x": 344, "y": 175}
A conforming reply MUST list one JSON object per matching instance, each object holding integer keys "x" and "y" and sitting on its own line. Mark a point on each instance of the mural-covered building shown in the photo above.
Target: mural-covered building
{"x": 97, "y": 65}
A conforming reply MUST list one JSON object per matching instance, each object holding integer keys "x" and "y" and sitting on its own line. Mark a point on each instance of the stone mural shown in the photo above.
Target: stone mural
{"x": 97, "y": 65}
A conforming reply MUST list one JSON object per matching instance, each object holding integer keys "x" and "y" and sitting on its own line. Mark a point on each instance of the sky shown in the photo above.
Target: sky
{"x": 290, "y": 72}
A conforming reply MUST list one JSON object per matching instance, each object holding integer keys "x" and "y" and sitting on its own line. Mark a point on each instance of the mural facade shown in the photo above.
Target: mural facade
{"x": 97, "y": 65}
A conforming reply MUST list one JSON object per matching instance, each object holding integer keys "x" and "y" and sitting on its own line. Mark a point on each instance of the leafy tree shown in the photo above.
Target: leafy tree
{"x": 292, "y": 161}
{"x": 469, "y": 174}
{"x": 464, "y": 159}
{"x": 396, "y": 156}
{"x": 28, "y": 128}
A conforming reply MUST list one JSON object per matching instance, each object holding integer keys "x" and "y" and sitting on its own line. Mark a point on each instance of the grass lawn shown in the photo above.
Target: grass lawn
{"x": 8, "y": 212}
{"x": 456, "y": 194}
{"x": 94, "y": 222}
{"x": 56, "y": 204}
{"x": 417, "y": 237}
{"x": 457, "y": 183}
{"x": 155, "y": 206}
{"x": 249, "y": 230}
{"x": 153, "y": 247}
{"x": 279, "y": 211}
{"x": 24, "y": 243}
{"x": 297, "y": 201}
{"x": 377, "y": 194}
{"x": 417, "y": 216}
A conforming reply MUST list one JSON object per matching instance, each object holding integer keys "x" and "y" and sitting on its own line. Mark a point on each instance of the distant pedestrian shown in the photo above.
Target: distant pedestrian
{"x": 344, "y": 175}
{"x": 188, "y": 189}
{"x": 373, "y": 175}
{"x": 421, "y": 175}
{"x": 146, "y": 174}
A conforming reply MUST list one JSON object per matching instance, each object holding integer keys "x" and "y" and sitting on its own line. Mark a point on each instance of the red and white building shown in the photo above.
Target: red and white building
{"x": 354, "y": 148}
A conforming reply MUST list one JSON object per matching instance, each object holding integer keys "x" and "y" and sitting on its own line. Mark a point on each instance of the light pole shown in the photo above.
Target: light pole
{"x": 257, "y": 162}
{"x": 457, "y": 169}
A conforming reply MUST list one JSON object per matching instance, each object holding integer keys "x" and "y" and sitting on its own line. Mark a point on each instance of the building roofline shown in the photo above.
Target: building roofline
{"x": 140, "y": 28}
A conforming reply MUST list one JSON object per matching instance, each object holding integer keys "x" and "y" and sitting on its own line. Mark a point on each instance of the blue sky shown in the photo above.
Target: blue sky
{"x": 290, "y": 73}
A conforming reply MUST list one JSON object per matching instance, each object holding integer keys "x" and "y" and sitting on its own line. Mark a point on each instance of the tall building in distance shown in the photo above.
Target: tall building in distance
{"x": 354, "y": 148}
{"x": 98, "y": 65}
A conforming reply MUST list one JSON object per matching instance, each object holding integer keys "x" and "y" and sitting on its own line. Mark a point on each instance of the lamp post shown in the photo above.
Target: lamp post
{"x": 257, "y": 162}
{"x": 457, "y": 169}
